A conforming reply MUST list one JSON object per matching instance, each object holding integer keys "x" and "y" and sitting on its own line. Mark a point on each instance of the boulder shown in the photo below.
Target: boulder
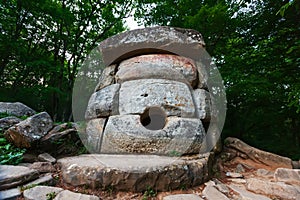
{"x": 107, "y": 77}
{"x": 103, "y": 102}
{"x": 291, "y": 176}
{"x": 11, "y": 176}
{"x": 46, "y": 157}
{"x": 44, "y": 179}
{"x": 273, "y": 161}
{"x": 28, "y": 132}
{"x": 67, "y": 195}
{"x": 17, "y": 109}
{"x": 158, "y": 66}
{"x": 42, "y": 167}
{"x": 7, "y": 122}
{"x": 41, "y": 192}
{"x": 278, "y": 189}
{"x": 126, "y": 134}
{"x": 173, "y": 97}
{"x": 264, "y": 173}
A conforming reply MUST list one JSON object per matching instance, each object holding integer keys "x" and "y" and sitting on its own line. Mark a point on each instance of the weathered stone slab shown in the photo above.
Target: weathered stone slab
{"x": 42, "y": 167}
{"x": 182, "y": 197}
{"x": 246, "y": 195}
{"x": 158, "y": 66}
{"x": 107, "y": 77}
{"x": 278, "y": 189}
{"x": 133, "y": 172}
{"x": 45, "y": 179}
{"x": 185, "y": 42}
{"x": 211, "y": 193}
{"x": 173, "y": 97}
{"x": 11, "y": 176}
{"x": 40, "y": 192}
{"x": 202, "y": 103}
{"x": 46, "y": 157}
{"x": 7, "y": 122}
{"x": 265, "y": 173}
{"x": 10, "y": 194}
{"x": 94, "y": 133}
{"x": 234, "y": 175}
{"x": 125, "y": 133}
{"x": 67, "y": 195}
{"x": 29, "y": 131}
{"x": 103, "y": 102}
{"x": 17, "y": 109}
{"x": 271, "y": 160}
{"x": 291, "y": 176}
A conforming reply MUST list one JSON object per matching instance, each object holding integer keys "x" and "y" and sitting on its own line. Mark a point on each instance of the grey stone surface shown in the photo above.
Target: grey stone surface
{"x": 291, "y": 176}
{"x": 10, "y": 194}
{"x": 40, "y": 192}
{"x": 202, "y": 103}
{"x": 211, "y": 193}
{"x": 239, "y": 168}
{"x": 296, "y": 164}
{"x": 234, "y": 175}
{"x": 103, "y": 102}
{"x": 107, "y": 77}
{"x": 246, "y": 195}
{"x": 17, "y": 109}
{"x": 173, "y": 97}
{"x": 203, "y": 73}
{"x": 220, "y": 186}
{"x": 134, "y": 172}
{"x": 25, "y": 133}
{"x": 42, "y": 167}
{"x": 158, "y": 66}
{"x": 278, "y": 189}
{"x": 272, "y": 160}
{"x": 7, "y": 122}
{"x": 125, "y": 133}
{"x": 184, "y": 42}
{"x": 46, "y": 157}
{"x": 68, "y": 195}
{"x": 94, "y": 133}
{"x": 182, "y": 197}
{"x": 264, "y": 173}
{"x": 45, "y": 179}
{"x": 11, "y": 176}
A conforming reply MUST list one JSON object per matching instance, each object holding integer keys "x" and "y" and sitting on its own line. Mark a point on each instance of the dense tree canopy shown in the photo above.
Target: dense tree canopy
{"x": 255, "y": 44}
{"x": 43, "y": 42}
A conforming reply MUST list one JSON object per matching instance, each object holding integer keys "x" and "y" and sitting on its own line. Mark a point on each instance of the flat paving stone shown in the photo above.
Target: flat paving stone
{"x": 212, "y": 193}
{"x": 40, "y": 192}
{"x": 10, "y": 194}
{"x": 246, "y": 195}
{"x": 68, "y": 195}
{"x": 45, "y": 179}
{"x": 11, "y": 176}
{"x": 291, "y": 176}
{"x": 134, "y": 172}
{"x": 182, "y": 197}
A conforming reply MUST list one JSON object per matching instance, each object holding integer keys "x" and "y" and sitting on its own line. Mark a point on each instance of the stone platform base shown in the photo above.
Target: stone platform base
{"x": 135, "y": 172}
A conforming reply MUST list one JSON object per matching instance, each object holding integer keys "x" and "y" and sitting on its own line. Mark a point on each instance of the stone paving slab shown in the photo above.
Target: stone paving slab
{"x": 11, "y": 176}
{"x": 134, "y": 172}
{"x": 182, "y": 197}
{"x": 41, "y": 192}
{"x": 68, "y": 195}
{"x": 10, "y": 194}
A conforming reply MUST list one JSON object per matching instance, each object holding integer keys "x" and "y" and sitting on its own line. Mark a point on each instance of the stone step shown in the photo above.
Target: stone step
{"x": 134, "y": 172}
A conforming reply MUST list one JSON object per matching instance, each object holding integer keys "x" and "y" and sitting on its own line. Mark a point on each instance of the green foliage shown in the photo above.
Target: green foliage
{"x": 149, "y": 193}
{"x": 9, "y": 154}
{"x": 23, "y": 188}
{"x": 51, "y": 195}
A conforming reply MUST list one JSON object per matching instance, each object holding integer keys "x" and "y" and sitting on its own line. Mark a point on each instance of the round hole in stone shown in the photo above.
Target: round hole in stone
{"x": 153, "y": 118}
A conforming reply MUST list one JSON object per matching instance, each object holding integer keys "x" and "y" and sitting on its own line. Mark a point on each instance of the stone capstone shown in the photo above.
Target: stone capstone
{"x": 158, "y": 66}
{"x": 17, "y": 109}
{"x": 103, "y": 102}
{"x": 29, "y": 131}
{"x": 133, "y": 172}
{"x": 11, "y": 176}
{"x": 41, "y": 192}
{"x": 125, "y": 133}
{"x": 173, "y": 97}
